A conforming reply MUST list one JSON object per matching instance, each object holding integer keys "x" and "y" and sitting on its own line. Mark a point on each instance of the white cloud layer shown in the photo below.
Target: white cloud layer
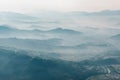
{"x": 59, "y": 5}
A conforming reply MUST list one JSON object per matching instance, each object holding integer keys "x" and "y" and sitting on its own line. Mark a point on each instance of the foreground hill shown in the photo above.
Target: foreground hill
{"x": 17, "y": 65}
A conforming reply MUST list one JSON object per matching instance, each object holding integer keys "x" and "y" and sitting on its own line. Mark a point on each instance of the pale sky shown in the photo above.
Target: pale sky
{"x": 27, "y": 6}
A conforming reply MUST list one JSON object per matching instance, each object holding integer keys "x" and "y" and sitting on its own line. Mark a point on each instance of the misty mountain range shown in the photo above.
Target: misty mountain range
{"x": 73, "y": 20}
{"x": 60, "y": 46}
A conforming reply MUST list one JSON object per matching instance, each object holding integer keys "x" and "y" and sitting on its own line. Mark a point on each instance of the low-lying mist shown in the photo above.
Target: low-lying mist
{"x": 71, "y": 36}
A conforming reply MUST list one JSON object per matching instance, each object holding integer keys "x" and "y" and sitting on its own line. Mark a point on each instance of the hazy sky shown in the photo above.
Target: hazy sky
{"x": 59, "y": 5}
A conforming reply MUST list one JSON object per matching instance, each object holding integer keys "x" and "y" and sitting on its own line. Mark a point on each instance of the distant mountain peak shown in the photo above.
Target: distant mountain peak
{"x": 5, "y": 27}
{"x": 104, "y": 12}
{"x": 61, "y": 30}
{"x": 116, "y": 37}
